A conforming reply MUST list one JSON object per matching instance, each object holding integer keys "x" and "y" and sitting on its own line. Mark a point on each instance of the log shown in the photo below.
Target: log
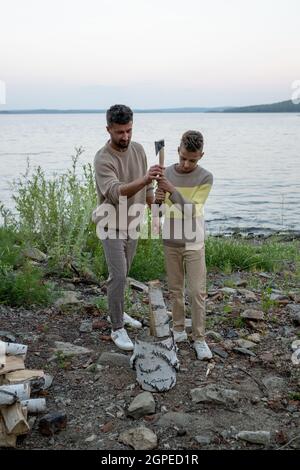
{"x": 15, "y": 349}
{"x": 12, "y": 363}
{"x": 6, "y": 440}
{"x": 14, "y": 419}
{"x": 159, "y": 318}
{"x": 35, "y": 405}
{"x": 155, "y": 364}
{"x": 9, "y": 394}
{"x": 20, "y": 376}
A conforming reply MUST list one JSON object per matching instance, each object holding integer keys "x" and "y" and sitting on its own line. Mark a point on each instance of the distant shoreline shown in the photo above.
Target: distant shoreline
{"x": 281, "y": 107}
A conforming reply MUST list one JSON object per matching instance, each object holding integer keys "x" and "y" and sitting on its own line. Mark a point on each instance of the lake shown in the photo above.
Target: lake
{"x": 255, "y": 159}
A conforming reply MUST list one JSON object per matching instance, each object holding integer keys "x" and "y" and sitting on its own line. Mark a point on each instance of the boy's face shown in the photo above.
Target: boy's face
{"x": 188, "y": 160}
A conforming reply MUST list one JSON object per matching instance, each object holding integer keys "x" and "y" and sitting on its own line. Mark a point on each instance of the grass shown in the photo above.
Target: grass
{"x": 54, "y": 215}
{"x": 267, "y": 304}
{"x": 233, "y": 255}
{"x": 21, "y": 284}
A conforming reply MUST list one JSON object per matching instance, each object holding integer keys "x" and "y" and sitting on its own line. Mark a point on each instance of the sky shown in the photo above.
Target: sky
{"x": 147, "y": 53}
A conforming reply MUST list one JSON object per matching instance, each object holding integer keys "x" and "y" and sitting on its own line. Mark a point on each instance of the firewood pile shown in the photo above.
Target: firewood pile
{"x": 17, "y": 385}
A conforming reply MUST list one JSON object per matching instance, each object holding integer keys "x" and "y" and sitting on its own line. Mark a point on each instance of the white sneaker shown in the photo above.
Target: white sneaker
{"x": 122, "y": 340}
{"x": 128, "y": 320}
{"x": 202, "y": 350}
{"x": 179, "y": 336}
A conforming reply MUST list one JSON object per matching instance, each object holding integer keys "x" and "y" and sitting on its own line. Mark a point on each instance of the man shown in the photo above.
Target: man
{"x": 122, "y": 183}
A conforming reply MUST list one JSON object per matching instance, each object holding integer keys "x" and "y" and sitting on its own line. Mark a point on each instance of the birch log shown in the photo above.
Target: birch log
{"x": 9, "y": 394}
{"x": 12, "y": 363}
{"x": 14, "y": 419}
{"x": 155, "y": 364}
{"x": 159, "y": 318}
{"x": 6, "y": 440}
{"x": 15, "y": 349}
{"x": 20, "y": 376}
{"x": 35, "y": 405}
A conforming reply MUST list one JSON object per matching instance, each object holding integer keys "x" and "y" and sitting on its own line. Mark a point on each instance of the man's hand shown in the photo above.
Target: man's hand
{"x": 154, "y": 172}
{"x": 165, "y": 185}
{"x": 160, "y": 196}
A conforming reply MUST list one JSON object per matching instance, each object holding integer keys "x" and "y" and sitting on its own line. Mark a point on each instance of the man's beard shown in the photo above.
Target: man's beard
{"x": 122, "y": 144}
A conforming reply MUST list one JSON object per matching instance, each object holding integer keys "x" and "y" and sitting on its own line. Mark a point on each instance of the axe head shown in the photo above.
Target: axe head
{"x": 159, "y": 145}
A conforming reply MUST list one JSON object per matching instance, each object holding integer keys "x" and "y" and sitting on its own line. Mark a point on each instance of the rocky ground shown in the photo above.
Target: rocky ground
{"x": 250, "y": 385}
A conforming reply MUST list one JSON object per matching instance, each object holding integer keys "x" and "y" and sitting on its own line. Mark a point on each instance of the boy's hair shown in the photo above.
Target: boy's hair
{"x": 118, "y": 114}
{"x": 192, "y": 141}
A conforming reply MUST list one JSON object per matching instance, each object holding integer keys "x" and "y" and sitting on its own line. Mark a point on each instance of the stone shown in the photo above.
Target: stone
{"x": 255, "y": 337}
{"x": 137, "y": 285}
{"x": 274, "y": 384}
{"x": 228, "y": 290}
{"x": 255, "y": 437}
{"x": 295, "y": 344}
{"x": 68, "y": 298}
{"x": 243, "y": 343}
{"x": 180, "y": 420}
{"x": 214, "y": 335}
{"x": 296, "y": 318}
{"x": 220, "y": 352}
{"x": 35, "y": 254}
{"x": 86, "y": 326}
{"x": 140, "y": 438}
{"x": 69, "y": 349}
{"x": 244, "y": 351}
{"x": 6, "y": 335}
{"x": 52, "y": 423}
{"x": 293, "y": 308}
{"x": 248, "y": 294}
{"x": 114, "y": 359}
{"x": 265, "y": 275}
{"x": 252, "y": 314}
{"x": 214, "y": 393}
{"x": 143, "y": 404}
{"x": 204, "y": 439}
{"x": 241, "y": 283}
{"x": 91, "y": 438}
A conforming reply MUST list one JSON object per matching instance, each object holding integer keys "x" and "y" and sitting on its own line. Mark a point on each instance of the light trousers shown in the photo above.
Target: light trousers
{"x": 184, "y": 264}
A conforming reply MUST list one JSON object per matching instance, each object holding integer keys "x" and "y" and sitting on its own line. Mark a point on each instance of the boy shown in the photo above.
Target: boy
{"x": 187, "y": 186}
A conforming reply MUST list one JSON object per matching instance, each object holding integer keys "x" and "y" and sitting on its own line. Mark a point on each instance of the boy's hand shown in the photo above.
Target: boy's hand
{"x": 154, "y": 172}
{"x": 160, "y": 196}
{"x": 165, "y": 185}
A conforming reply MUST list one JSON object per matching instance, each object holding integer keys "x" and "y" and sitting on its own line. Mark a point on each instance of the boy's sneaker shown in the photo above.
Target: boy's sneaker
{"x": 128, "y": 320}
{"x": 122, "y": 340}
{"x": 202, "y": 350}
{"x": 179, "y": 336}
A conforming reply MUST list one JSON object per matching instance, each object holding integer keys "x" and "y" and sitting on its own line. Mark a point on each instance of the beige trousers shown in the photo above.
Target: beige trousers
{"x": 181, "y": 263}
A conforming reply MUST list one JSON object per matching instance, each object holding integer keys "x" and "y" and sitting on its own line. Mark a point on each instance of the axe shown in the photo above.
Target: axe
{"x": 160, "y": 148}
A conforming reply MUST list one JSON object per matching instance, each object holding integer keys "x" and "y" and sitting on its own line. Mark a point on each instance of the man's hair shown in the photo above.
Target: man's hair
{"x": 118, "y": 114}
{"x": 192, "y": 141}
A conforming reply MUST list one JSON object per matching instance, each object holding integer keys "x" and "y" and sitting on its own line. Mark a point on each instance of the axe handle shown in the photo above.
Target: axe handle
{"x": 162, "y": 157}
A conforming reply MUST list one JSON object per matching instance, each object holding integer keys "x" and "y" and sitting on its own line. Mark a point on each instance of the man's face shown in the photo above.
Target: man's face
{"x": 188, "y": 160}
{"x": 120, "y": 135}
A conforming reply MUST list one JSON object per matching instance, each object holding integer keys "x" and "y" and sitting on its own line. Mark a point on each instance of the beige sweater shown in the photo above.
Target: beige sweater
{"x": 112, "y": 169}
